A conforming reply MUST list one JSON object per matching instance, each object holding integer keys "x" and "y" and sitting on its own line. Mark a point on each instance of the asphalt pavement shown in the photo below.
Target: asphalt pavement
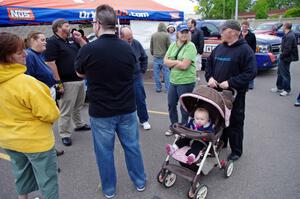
{"x": 268, "y": 169}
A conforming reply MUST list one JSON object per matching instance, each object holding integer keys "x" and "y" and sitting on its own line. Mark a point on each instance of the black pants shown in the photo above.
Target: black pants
{"x": 196, "y": 146}
{"x": 235, "y": 131}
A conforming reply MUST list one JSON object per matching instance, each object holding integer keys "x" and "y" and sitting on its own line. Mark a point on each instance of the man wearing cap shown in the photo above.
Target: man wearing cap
{"x": 232, "y": 64}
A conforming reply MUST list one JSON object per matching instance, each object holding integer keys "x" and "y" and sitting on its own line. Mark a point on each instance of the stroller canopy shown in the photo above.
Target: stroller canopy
{"x": 218, "y": 103}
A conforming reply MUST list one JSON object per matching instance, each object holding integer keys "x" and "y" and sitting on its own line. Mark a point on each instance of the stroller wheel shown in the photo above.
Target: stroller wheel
{"x": 201, "y": 192}
{"x": 161, "y": 176}
{"x": 228, "y": 169}
{"x": 169, "y": 180}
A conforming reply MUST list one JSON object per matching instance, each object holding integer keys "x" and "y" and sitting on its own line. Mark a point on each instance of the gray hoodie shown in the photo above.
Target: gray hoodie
{"x": 160, "y": 41}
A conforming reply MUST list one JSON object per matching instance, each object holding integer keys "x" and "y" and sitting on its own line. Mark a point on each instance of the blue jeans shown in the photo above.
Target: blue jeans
{"x": 140, "y": 98}
{"x": 104, "y": 131}
{"x": 158, "y": 65}
{"x": 284, "y": 76}
{"x": 175, "y": 90}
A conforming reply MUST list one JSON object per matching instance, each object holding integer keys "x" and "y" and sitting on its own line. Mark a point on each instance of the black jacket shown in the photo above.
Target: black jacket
{"x": 141, "y": 58}
{"x": 235, "y": 64}
{"x": 251, "y": 40}
{"x": 289, "y": 50}
{"x": 198, "y": 40}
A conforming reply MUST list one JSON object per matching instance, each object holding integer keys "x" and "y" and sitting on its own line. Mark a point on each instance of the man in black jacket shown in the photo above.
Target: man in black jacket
{"x": 251, "y": 40}
{"x": 232, "y": 64}
{"x": 289, "y": 53}
{"x": 197, "y": 39}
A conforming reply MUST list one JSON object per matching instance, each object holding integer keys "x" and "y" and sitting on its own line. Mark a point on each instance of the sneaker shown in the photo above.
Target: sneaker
{"x": 168, "y": 132}
{"x": 190, "y": 159}
{"x": 170, "y": 149}
{"x": 297, "y": 103}
{"x": 146, "y": 126}
{"x": 140, "y": 189}
{"x": 276, "y": 90}
{"x": 110, "y": 196}
{"x": 284, "y": 93}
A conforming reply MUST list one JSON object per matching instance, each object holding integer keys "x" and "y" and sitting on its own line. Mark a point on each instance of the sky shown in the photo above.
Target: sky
{"x": 186, "y": 6}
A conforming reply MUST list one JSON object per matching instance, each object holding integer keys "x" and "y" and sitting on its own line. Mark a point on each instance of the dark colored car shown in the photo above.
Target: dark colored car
{"x": 269, "y": 28}
{"x": 296, "y": 30}
{"x": 267, "y": 49}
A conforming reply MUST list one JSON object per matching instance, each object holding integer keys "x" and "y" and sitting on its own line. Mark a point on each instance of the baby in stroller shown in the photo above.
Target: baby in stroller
{"x": 201, "y": 122}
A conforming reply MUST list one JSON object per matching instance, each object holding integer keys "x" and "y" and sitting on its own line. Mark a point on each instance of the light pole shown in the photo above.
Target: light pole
{"x": 236, "y": 9}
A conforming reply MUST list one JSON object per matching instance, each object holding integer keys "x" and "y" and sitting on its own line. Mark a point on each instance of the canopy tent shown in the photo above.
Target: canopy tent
{"x": 24, "y": 12}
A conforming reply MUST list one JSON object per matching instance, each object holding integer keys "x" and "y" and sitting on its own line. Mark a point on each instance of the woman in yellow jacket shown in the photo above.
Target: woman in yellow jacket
{"x": 27, "y": 112}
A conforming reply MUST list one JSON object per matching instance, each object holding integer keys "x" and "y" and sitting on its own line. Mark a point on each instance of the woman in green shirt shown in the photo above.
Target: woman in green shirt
{"x": 180, "y": 58}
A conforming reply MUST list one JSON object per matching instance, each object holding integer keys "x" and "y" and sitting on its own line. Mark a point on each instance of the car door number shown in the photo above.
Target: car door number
{"x": 209, "y": 47}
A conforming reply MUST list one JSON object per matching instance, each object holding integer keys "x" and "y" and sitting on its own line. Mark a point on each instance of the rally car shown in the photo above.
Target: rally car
{"x": 267, "y": 50}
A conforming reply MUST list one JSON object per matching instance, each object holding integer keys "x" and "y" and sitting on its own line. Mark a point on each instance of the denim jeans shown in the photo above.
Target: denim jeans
{"x": 175, "y": 90}
{"x": 284, "y": 76}
{"x": 104, "y": 131}
{"x": 140, "y": 98}
{"x": 157, "y": 67}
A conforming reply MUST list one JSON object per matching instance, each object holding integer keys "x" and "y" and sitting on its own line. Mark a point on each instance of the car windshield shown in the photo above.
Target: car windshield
{"x": 264, "y": 27}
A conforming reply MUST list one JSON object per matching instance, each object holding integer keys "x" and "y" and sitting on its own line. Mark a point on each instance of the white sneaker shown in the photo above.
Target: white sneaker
{"x": 284, "y": 93}
{"x": 168, "y": 132}
{"x": 140, "y": 189}
{"x": 146, "y": 126}
{"x": 109, "y": 196}
{"x": 276, "y": 90}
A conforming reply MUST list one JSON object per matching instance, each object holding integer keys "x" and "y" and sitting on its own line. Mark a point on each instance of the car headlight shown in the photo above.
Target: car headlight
{"x": 262, "y": 48}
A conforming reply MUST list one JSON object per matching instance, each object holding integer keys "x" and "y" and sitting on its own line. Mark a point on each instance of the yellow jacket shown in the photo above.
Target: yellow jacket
{"x": 27, "y": 111}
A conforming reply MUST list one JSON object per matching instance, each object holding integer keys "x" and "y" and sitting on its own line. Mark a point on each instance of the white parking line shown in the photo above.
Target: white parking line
{"x": 158, "y": 112}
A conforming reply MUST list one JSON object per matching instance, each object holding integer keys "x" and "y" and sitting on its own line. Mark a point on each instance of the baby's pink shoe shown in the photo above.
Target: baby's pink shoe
{"x": 190, "y": 159}
{"x": 170, "y": 149}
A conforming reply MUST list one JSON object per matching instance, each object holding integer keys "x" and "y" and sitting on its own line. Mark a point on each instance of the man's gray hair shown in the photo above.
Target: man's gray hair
{"x": 106, "y": 16}
{"x": 122, "y": 30}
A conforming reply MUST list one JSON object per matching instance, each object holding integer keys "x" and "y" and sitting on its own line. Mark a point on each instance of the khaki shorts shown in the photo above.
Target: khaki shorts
{"x": 35, "y": 171}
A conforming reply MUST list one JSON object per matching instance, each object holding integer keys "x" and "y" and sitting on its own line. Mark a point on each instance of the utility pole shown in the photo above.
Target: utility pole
{"x": 236, "y": 9}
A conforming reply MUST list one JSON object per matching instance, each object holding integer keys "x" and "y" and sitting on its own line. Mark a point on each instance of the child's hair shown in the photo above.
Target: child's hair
{"x": 202, "y": 110}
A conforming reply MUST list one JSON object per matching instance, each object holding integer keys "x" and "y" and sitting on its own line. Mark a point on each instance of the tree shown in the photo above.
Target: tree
{"x": 261, "y": 8}
{"x": 293, "y": 12}
{"x": 221, "y": 9}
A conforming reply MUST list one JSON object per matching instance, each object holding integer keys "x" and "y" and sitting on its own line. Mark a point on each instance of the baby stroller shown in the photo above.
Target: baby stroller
{"x": 219, "y": 105}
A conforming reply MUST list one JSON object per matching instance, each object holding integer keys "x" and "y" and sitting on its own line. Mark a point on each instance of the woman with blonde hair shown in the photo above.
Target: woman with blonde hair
{"x": 36, "y": 66}
{"x": 27, "y": 112}
{"x": 180, "y": 58}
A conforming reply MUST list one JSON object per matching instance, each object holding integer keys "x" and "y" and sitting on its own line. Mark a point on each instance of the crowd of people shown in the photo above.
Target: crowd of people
{"x": 46, "y": 83}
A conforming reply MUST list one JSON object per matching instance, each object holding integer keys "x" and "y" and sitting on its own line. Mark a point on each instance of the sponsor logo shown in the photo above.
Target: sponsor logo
{"x": 139, "y": 14}
{"x": 20, "y": 14}
{"x": 87, "y": 15}
{"x": 174, "y": 15}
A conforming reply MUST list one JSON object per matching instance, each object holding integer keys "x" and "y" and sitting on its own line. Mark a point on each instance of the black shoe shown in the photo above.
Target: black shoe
{"x": 67, "y": 141}
{"x": 59, "y": 152}
{"x": 83, "y": 128}
{"x": 233, "y": 157}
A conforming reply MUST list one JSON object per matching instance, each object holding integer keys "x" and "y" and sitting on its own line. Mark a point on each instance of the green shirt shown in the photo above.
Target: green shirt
{"x": 179, "y": 76}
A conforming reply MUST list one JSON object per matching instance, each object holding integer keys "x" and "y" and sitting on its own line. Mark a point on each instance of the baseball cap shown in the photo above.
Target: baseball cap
{"x": 182, "y": 27}
{"x": 232, "y": 24}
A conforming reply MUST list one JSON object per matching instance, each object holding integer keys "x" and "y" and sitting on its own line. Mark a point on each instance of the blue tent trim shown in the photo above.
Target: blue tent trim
{"x": 11, "y": 16}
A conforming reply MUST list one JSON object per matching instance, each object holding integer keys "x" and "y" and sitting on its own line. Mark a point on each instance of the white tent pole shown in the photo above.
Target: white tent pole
{"x": 119, "y": 28}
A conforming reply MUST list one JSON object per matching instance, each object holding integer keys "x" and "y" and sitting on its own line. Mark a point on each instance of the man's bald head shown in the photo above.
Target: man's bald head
{"x": 126, "y": 34}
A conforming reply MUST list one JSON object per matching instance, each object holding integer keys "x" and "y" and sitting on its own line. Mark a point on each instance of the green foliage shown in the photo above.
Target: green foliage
{"x": 261, "y": 8}
{"x": 221, "y": 9}
{"x": 293, "y": 12}
{"x": 218, "y": 9}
